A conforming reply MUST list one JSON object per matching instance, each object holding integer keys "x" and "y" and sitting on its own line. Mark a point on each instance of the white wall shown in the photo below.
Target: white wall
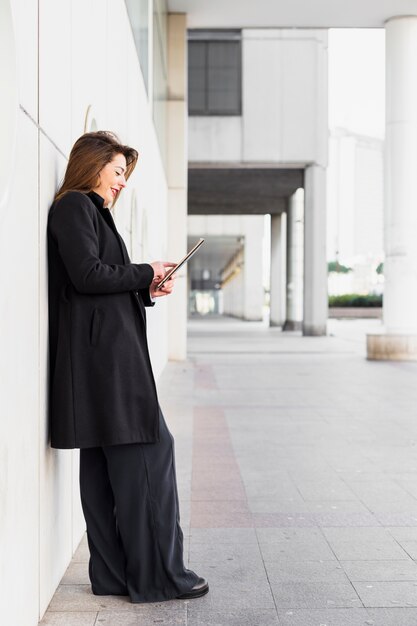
{"x": 86, "y": 57}
{"x": 284, "y": 103}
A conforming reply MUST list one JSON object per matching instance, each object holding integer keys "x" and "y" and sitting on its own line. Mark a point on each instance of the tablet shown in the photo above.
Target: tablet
{"x": 181, "y": 263}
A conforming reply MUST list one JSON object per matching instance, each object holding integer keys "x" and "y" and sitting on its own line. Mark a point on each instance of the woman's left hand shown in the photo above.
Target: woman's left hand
{"x": 165, "y": 290}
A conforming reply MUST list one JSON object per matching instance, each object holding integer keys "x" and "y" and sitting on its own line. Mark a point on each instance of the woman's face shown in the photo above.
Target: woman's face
{"x": 112, "y": 179}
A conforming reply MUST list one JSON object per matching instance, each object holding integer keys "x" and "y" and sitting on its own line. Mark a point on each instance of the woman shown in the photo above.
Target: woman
{"x": 103, "y": 398}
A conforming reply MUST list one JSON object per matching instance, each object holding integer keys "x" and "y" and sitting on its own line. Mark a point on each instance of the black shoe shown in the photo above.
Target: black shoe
{"x": 200, "y": 589}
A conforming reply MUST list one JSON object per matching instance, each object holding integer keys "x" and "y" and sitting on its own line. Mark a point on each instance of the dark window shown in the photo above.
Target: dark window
{"x": 214, "y": 73}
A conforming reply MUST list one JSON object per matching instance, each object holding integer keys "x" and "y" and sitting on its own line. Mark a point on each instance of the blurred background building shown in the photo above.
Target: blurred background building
{"x": 227, "y": 104}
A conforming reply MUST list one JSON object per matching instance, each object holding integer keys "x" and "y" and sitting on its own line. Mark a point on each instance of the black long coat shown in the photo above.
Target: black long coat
{"x": 102, "y": 390}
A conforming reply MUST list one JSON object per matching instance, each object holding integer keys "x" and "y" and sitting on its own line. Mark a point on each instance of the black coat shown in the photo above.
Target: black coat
{"x": 102, "y": 390}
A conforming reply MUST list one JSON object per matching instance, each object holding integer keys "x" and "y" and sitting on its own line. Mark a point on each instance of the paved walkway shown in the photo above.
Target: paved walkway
{"x": 297, "y": 471}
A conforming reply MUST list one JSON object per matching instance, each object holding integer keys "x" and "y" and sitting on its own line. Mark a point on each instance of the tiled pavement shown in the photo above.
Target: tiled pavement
{"x": 297, "y": 472}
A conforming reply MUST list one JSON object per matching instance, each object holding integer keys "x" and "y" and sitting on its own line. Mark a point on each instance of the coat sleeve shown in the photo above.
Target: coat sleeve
{"x": 71, "y": 224}
{"x": 146, "y": 297}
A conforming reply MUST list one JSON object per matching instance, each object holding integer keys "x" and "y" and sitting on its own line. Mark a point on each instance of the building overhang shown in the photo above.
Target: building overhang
{"x": 292, "y": 13}
{"x": 241, "y": 191}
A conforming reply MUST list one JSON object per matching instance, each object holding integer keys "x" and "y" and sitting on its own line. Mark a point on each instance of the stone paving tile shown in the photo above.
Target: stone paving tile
{"x": 410, "y": 547}
{"x": 326, "y": 617}
{"x": 330, "y": 491}
{"x": 223, "y": 535}
{"x": 247, "y": 617}
{"x": 218, "y": 553}
{"x": 270, "y": 489}
{"x": 221, "y": 514}
{"x": 377, "y": 491}
{"x": 371, "y": 534}
{"x": 82, "y": 554}
{"x": 235, "y": 585}
{"x": 403, "y": 533}
{"x": 144, "y": 616}
{"x": 266, "y": 520}
{"x": 298, "y": 550}
{"x": 76, "y": 574}
{"x": 364, "y": 550}
{"x": 314, "y": 595}
{"x": 80, "y": 598}
{"x": 305, "y": 571}
{"x": 392, "y": 617}
{"x": 387, "y": 594}
{"x": 67, "y": 618}
{"x": 343, "y": 514}
{"x": 277, "y": 505}
{"x": 400, "y": 518}
{"x": 273, "y": 535}
{"x": 369, "y": 571}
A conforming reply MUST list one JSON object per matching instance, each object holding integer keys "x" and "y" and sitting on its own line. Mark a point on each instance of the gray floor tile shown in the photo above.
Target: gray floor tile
{"x": 82, "y": 554}
{"x": 305, "y": 571}
{"x": 69, "y": 618}
{"x": 369, "y": 571}
{"x": 387, "y": 594}
{"x": 273, "y": 535}
{"x": 297, "y": 550}
{"x": 235, "y": 585}
{"x": 393, "y": 617}
{"x": 410, "y": 547}
{"x": 314, "y": 490}
{"x": 144, "y": 616}
{"x": 368, "y": 551}
{"x": 224, "y": 552}
{"x": 223, "y": 535}
{"x": 403, "y": 533}
{"x": 76, "y": 574}
{"x": 371, "y": 534}
{"x": 314, "y": 595}
{"x": 325, "y": 617}
{"x": 80, "y": 598}
{"x": 227, "y": 617}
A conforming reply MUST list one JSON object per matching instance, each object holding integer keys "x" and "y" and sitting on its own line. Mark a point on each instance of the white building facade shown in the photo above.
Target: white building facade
{"x": 355, "y": 211}
{"x": 274, "y": 134}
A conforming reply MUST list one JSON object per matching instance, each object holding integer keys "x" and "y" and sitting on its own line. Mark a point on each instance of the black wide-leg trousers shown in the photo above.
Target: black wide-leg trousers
{"x": 130, "y": 502}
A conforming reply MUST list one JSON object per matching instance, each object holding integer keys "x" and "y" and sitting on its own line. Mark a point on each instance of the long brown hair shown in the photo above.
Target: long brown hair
{"x": 90, "y": 153}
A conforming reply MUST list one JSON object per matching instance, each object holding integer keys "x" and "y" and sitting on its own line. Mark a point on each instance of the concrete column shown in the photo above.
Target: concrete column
{"x": 315, "y": 264}
{"x": 278, "y": 269}
{"x": 295, "y": 260}
{"x": 177, "y": 164}
{"x": 253, "y": 290}
{"x": 398, "y": 340}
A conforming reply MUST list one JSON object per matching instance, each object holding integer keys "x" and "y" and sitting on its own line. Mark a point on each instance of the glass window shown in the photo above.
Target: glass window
{"x": 138, "y": 12}
{"x": 214, "y": 73}
{"x": 160, "y": 71}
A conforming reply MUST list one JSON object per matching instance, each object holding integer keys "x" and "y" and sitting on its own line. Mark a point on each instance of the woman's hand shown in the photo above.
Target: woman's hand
{"x": 160, "y": 271}
{"x": 165, "y": 290}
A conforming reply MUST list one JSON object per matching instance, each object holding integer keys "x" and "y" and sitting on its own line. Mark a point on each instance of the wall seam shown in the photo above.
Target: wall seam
{"x": 38, "y": 126}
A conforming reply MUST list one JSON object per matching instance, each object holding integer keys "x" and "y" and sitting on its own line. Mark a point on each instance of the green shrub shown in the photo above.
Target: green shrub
{"x": 355, "y": 300}
{"x": 335, "y": 266}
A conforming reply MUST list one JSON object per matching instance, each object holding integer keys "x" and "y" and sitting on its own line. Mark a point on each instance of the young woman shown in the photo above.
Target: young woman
{"x": 103, "y": 398}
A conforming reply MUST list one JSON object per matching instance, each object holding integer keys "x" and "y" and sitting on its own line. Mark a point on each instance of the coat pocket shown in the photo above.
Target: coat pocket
{"x": 95, "y": 326}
